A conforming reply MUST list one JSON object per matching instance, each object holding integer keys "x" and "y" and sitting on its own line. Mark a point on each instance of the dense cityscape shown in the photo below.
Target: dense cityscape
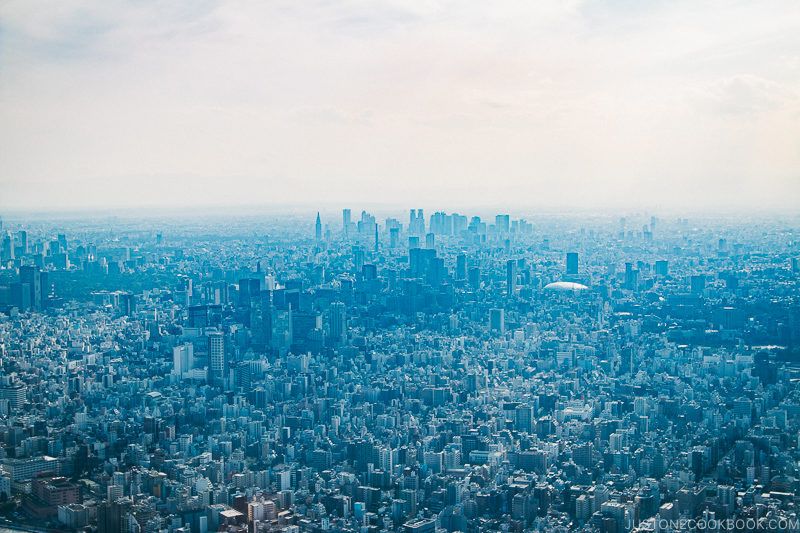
{"x": 414, "y": 372}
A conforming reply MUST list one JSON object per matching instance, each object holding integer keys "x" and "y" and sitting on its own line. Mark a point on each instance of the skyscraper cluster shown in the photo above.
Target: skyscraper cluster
{"x": 456, "y": 373}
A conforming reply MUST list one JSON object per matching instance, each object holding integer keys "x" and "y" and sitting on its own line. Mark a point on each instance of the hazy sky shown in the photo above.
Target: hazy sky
{"x": 567, "y": 103}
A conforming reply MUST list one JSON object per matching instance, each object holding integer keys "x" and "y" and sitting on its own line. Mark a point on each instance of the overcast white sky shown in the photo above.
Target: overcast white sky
{"x": 564, "y": 103}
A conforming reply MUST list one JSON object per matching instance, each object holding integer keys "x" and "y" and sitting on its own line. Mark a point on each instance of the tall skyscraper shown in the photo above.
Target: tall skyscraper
{"x": 511, "y": 277}
{"x": 346, "y": 216}
{"x": 216, "y": 358}
{"x": 127, "y": 302}
{"x": 318, "y": 229}
{"x": 416, "y": 222}
{"x": 358, "y": 258}
{"x": 497, "y": 320}
{"x": 30, "y": 277}
{"x": 631, "y": 277}
{"x": 474, "y": 277}
{"x": 502, "y": 223}
{"x": 23, "y": 242}
{"x": 627, "y": 359}
{"x": 461, "y": 266}
{"x": 572, "y": 263}
{"x": 338, "y": 322}
{"x": 182, "y": 359}
{"x": 7, "y": 249}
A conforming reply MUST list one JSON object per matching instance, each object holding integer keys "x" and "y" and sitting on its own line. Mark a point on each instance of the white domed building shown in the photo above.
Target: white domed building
{"x": 565, "y": 286}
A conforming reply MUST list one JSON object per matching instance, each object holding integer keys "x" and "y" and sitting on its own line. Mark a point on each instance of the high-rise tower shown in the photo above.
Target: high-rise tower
{"x": 572, "y": 263}
{"x": 338, "y": 322}
{"x": 216, "y": 358}
{"x": 511, "y": 277}
{"x": 345, "y": 221}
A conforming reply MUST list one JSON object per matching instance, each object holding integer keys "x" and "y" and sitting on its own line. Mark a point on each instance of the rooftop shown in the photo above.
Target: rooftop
{"x": 563, "y": 286}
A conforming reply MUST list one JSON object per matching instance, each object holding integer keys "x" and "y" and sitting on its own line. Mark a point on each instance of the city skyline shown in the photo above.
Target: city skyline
{"x": 421, "y": 372}
{"x": 399, "y": 266}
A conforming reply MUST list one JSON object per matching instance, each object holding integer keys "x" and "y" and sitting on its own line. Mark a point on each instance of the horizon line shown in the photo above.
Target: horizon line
{"x": 385, "y": 208}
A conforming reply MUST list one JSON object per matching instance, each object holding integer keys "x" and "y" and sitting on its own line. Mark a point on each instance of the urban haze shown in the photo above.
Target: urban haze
{"x": 385, "y": 266}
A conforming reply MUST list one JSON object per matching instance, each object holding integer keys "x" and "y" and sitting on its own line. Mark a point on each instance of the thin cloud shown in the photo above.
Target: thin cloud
{"x": 595, "y": 103}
